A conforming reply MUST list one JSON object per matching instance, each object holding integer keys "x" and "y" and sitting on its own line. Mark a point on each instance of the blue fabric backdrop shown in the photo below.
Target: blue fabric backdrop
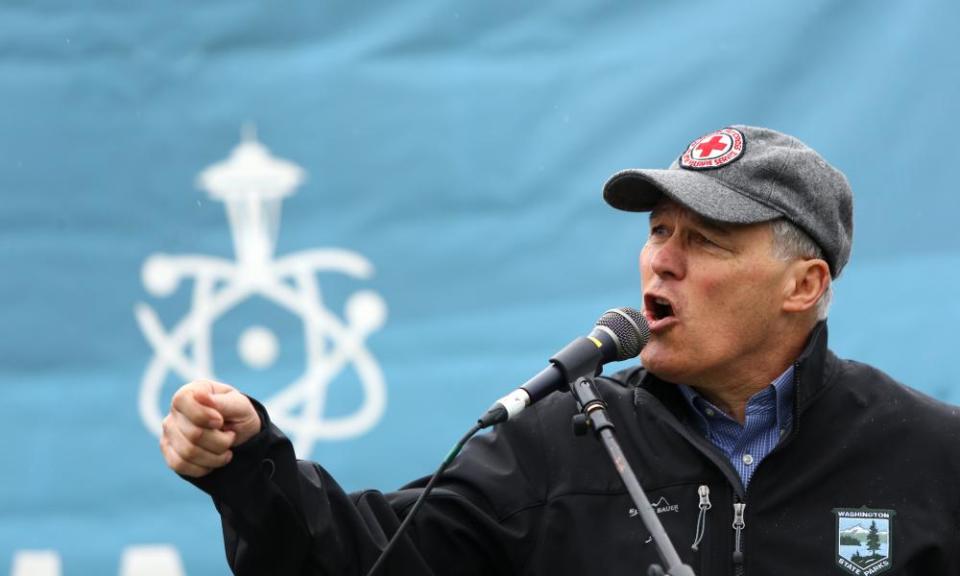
{"x": 452, "y": 154}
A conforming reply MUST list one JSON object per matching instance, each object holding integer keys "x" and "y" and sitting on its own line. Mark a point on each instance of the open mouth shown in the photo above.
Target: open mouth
{"x": 658, "y": 308}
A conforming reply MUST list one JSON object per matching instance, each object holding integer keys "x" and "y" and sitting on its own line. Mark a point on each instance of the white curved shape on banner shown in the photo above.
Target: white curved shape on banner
{"x": 318, "y": 322}
{"x": 291, "y": 283}
{"x": 311, "y": 388}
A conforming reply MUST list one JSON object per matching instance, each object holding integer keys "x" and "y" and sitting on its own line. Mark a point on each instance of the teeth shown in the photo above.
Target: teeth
{"x": 661, "y": 301}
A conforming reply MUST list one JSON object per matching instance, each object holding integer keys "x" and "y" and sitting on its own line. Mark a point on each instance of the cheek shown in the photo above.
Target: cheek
{"x": 643, "y": 263}
{"x": 644, "y": 257}
{"x": 730, "y": 301}
{"x": 713, "y": 296}
{"x": 749, "y": 300}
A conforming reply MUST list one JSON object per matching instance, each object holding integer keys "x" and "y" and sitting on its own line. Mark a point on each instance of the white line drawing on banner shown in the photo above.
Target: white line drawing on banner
{"x": 252, "y": 184}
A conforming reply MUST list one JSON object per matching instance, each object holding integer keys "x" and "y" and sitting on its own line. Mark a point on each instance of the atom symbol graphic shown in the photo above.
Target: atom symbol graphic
{"x": 252, "y": 183}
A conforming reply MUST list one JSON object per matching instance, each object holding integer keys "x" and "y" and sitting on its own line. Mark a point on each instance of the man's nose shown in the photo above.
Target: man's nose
{"x": 668, "y": 259}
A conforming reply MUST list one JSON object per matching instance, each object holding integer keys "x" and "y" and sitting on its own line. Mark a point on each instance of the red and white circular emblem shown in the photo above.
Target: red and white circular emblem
{"x": 714, "y": 150}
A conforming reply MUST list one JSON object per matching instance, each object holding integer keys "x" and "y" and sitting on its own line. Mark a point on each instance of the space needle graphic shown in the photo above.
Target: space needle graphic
{"x": 252, "y": 184}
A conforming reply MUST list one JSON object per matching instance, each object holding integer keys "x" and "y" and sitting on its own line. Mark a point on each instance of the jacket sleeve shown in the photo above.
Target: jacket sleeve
{"x": 287, "y": 517}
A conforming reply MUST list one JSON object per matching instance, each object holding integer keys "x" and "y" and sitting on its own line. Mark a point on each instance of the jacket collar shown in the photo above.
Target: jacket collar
{"x": 815, "y": 367}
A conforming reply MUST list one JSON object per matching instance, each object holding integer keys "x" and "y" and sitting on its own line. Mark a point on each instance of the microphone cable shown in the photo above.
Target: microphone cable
{"x": 423, "y": 496}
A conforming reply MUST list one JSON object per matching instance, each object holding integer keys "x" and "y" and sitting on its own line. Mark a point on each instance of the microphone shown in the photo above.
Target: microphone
{"x": 619, "y": 334}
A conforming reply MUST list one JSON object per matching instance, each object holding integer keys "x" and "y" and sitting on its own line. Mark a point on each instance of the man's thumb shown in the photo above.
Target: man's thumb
{"x": 239, "y": 415}
{"x": 233, "y": 405}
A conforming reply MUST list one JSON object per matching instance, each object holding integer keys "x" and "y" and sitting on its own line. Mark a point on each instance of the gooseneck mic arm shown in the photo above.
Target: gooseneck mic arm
{"x": 593, "y": 416}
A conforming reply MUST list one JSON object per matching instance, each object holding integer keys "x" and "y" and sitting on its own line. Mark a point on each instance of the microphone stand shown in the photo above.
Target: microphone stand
{"x": 593, "y": 414}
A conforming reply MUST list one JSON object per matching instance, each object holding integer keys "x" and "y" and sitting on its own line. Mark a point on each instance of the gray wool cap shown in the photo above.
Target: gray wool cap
{"x": 744, "y": 175}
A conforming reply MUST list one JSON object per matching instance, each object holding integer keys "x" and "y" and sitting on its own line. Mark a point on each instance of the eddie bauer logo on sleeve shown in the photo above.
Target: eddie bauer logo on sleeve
{"x": 864, "y": 540}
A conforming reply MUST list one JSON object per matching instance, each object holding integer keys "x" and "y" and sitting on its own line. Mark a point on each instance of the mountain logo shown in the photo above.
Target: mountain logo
{"x": 661, "y": 506}
{"x": 864, "y": 540}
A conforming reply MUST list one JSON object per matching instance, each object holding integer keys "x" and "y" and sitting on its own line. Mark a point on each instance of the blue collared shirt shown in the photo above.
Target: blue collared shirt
{"x": 769, "y": 416}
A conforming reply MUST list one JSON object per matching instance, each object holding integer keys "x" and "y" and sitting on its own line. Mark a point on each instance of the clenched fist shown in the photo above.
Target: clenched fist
{"x": 206, "y": 420}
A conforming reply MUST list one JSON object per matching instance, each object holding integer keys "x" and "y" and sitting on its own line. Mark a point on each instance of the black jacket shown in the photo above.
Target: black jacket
{"x": 532, "y": 498}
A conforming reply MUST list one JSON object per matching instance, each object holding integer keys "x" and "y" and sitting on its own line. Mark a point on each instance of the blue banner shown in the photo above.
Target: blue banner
{"x": 379, "y": 217}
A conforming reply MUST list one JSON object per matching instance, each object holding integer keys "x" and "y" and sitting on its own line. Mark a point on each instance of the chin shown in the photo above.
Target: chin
{"x": 661, "y": 365}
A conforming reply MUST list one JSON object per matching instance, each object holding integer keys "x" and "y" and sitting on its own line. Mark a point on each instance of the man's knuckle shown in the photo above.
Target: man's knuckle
{"x": 190, "y": 451}
{"x": 177, "y": 402}
{"x": 173, "y": 459}
{"x": 193, "y": 434}
{"x": 185, "y": 392}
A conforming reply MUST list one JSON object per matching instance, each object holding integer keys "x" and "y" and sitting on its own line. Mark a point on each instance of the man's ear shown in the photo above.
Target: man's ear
{"x": 807, "y": 280}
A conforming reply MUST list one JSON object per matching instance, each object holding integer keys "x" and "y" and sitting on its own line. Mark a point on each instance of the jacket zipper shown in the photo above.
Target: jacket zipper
{"x": 740, "y": 505}
{"x": 704, "y": 493}
{"x": 738, "y": 525}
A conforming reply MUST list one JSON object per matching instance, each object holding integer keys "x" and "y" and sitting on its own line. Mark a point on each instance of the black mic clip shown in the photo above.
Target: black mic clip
{"x": 593, "y": 411}
{"x": 580, "y": 358}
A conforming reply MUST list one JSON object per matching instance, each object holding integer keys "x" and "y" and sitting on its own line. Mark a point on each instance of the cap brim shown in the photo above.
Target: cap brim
{"x": 637, "y": 190}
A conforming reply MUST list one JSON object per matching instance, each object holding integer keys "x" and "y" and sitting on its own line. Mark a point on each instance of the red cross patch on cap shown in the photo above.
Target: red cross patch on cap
{"x": 714, "y": 150}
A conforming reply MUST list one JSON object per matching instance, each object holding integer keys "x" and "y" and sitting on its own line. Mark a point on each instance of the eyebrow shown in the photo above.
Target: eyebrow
{"x": 714, "y": 226}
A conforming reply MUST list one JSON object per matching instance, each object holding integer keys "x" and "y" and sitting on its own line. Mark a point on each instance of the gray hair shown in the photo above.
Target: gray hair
{"x": 791, "y": 242}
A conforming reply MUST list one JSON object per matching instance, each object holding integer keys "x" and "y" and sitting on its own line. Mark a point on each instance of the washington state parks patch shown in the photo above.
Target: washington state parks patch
{"x": 864, "y": 540}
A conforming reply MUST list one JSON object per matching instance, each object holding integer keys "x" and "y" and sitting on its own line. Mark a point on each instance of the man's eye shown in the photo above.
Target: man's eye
{"x": 658, "y": 230}
{"x": 701, "y": 239}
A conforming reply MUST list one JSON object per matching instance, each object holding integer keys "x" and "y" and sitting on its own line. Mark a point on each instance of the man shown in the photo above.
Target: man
{"x": 761, "y": 451}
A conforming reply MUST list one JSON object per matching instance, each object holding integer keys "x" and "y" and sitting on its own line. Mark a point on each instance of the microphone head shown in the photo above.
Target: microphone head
{"x": 629, "y": 330}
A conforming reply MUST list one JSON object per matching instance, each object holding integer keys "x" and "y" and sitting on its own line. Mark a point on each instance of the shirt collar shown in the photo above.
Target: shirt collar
{"x": 783, "y": 397}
